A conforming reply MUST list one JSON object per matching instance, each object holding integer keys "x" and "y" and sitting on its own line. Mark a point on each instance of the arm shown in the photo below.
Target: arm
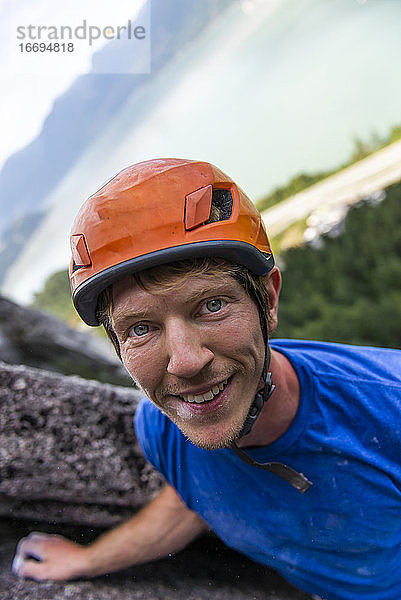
{"x": 164, "y": 526}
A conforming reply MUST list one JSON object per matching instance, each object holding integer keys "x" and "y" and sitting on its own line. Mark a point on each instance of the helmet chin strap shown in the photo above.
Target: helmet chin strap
{"x": 297, "y": 480}
{"x": 261, "y": 397}
{"x": 264, "y": 394}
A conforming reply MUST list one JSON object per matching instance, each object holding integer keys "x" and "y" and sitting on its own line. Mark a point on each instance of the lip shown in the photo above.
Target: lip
{"x": 208, "y": 406}
{"x": 202, "y": 390}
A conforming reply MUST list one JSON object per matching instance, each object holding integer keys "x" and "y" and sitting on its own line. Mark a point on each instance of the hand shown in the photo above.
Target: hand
{"x": 49, "y": 557}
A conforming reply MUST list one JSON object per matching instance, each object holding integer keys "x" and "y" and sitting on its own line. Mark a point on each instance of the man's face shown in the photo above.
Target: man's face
{"x": 196, "y": 349}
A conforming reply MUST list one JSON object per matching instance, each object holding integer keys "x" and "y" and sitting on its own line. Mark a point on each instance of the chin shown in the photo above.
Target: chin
{"x": 214, "y": 438}
{"x": 213, "y": 431}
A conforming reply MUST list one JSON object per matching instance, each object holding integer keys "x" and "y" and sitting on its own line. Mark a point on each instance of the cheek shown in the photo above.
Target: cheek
{"x": 241, "y": 338}
{"x": 145, "y": 368}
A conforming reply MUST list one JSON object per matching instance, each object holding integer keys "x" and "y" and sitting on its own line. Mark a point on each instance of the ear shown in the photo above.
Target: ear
{"x": 273, "y": 286}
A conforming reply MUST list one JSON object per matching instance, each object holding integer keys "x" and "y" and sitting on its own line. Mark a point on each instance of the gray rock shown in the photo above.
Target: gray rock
{"x": 68, "y": 451}
{"x": 36, "y": 339}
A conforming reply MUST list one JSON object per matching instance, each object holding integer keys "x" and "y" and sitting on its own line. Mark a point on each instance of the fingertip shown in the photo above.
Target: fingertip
{"x": 17, "y": 565}
{"x": 20, "y": 545}
{"x": 28, "y": 569}
{"x": 37, "y": 535}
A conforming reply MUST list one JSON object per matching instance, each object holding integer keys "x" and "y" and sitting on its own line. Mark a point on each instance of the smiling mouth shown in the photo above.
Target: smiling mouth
{"x": 207, "y": 396}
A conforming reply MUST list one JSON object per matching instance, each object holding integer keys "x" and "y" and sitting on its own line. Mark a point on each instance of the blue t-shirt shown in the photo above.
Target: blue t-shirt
{"x": 342, "y": 538}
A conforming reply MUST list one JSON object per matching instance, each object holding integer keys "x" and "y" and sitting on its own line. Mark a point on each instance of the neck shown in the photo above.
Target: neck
{"x": 279, "y": 411}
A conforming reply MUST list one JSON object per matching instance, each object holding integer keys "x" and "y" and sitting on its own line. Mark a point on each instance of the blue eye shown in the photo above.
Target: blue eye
{"x": 214, "y": 305}
{"x": 140, "y": 329}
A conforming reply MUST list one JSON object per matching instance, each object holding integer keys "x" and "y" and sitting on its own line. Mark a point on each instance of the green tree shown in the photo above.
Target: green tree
{"x": 55, "y": 298}
{"x": 350, "y": 289}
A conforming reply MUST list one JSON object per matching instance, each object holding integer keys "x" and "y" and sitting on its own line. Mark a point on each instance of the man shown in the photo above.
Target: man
{"x": 302, "y": 474}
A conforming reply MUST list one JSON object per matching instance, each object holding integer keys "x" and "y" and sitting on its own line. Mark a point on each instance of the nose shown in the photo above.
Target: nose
{"x": 187, "y": 352}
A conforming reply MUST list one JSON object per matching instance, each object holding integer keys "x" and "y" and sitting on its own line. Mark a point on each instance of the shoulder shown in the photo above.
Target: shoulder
{"x": 156, "y": 433}
{"x": 148, "y": 418}
{"x": 166, "y": 448}
{"x": 364, "y": 363}
{"x": 355, "y": 387}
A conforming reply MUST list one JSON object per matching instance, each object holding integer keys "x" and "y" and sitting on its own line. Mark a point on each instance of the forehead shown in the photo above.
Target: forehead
{"x": 128, "y": 294}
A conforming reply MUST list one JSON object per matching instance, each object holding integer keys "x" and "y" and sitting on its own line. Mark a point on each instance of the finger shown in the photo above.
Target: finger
{"x": 18, "y": 564}
{"x": 29, "y": 569}
{"x": 33, "y": 545}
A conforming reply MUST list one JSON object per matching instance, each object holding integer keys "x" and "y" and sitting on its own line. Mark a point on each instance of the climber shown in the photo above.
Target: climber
{"x": 288, "y": 450}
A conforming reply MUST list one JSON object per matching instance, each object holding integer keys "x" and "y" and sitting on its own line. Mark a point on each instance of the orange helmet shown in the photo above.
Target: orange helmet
{"x": 157, "y": 212}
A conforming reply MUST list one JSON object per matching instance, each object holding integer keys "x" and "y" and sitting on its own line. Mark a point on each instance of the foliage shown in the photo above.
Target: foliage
{"x": 349, "y": 290}
{"x": 395, "y": 134}
{"x": 362, "y": 149}
{"x": 55, "y": 298}
{"x": 289, "y": 238}
{"x": 295, "y": 185}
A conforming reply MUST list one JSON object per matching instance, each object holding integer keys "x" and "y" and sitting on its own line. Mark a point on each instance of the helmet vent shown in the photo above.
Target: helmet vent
{"x": 222, "y": 206}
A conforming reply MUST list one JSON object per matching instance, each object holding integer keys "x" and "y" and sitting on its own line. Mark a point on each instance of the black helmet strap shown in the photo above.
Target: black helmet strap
{"x": 263, "y": 395}
{"x": 297, "y": 480}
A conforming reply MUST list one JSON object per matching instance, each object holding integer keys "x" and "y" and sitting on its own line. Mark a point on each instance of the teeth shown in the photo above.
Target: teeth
{"x": 216, "y": 389}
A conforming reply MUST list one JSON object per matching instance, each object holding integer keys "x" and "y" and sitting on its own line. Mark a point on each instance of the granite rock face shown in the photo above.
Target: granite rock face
{"x": 36, "y": 339}
{"x": 68, "y": 451}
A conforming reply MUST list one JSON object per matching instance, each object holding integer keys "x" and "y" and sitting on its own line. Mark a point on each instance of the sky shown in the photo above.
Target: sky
{"x": 31, "y": 81}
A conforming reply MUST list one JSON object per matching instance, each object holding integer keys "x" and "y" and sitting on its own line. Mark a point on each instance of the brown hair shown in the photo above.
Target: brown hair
{"x": 164, "y": 278}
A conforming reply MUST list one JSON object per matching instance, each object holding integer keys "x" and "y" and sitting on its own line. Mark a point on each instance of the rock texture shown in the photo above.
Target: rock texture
{"x": 32, "y": 338}
{"x": 68, "y": 451}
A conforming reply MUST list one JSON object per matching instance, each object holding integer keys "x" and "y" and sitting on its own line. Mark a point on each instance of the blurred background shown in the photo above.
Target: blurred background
{"x": 280, "y": 94}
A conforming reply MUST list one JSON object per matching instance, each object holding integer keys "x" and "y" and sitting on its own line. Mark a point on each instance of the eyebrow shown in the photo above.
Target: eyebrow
{"x": 121, "y": 316}
{"x": 214, "y": 290}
